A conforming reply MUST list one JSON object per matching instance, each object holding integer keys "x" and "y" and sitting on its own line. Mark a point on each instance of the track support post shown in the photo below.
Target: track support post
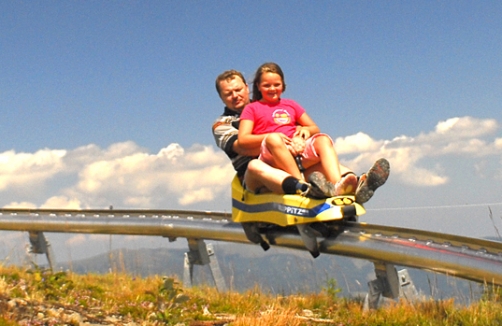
{"x": 389, "y": 283}
{"x": 39, "y": 245}
{"x": 200, "y": 254}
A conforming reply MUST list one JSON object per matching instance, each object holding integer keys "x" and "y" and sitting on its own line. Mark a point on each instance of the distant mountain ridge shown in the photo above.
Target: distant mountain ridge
{"x": 281, "y": 271}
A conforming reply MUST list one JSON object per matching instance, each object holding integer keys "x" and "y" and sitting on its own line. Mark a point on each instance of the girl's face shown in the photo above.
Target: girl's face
{"x": 270, "y": 87}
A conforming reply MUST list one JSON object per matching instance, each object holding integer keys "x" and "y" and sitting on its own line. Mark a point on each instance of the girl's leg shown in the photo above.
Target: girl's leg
{"x": 281, "y": 156}
{"x": 341, "y": 179}
{"x": 328, "y": 159}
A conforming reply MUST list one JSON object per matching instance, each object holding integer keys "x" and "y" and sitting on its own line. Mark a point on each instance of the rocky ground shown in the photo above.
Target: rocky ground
{"x": 39, "y": 313}
{"x": 32, "y": 313}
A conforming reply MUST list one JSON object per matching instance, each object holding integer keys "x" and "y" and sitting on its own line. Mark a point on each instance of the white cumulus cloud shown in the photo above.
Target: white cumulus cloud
{"x": 453, "y": 138}
{"x": 126, "y": 175}
{"x": 19, "y": 169}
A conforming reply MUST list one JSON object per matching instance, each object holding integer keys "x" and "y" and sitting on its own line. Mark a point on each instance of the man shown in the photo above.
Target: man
{"x": 259, "y": 176}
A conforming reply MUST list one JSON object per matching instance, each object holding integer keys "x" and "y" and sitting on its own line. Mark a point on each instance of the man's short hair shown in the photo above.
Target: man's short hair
{"x": 228, "y": 75}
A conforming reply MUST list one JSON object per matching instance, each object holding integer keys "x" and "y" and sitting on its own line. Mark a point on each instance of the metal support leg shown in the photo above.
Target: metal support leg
{"x": 407, "y": 288}
{"x": 389, "y": 284}
{"x": 39, "y": 245}
{"x": 386, "y": 285}
{"x": 188, "y": 270}
{"x": 199, "y": 254}
{"x": 215, "y": 270}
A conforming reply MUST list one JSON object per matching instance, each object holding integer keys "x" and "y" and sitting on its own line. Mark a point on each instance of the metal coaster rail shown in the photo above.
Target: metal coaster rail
{"x": 468, "y": 258}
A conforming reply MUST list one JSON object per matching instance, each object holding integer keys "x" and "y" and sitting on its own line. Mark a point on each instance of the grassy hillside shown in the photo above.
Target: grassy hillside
{"x": 38, "y": 297}
{"x": 280, "y": 271}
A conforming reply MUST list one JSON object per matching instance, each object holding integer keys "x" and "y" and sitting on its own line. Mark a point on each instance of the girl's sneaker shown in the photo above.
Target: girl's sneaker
{"x": 346, "y": 186}
{"x": 370, "y": 181}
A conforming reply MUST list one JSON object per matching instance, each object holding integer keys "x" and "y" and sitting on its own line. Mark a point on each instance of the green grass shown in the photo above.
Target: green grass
{"x": 38, "y": 297}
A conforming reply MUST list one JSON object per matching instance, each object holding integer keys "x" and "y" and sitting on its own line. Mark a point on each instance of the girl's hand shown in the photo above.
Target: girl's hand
{"x": 302, "y": 132}
{"x": 287, "y": 141}
{"x": 297, "y": 145}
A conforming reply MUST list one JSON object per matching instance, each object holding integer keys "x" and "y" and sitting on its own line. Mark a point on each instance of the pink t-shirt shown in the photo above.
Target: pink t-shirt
{"x": 278, "y": 117}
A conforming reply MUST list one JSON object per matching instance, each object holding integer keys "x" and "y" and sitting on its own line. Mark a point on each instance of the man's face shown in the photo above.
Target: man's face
{"x": 234, "y": 93}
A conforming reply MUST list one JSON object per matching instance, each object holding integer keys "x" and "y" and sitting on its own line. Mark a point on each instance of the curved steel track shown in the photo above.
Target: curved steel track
{"x": 469, "y": 258}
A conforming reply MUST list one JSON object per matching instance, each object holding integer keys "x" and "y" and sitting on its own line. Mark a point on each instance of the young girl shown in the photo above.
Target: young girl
{"x": 286, "y": 131}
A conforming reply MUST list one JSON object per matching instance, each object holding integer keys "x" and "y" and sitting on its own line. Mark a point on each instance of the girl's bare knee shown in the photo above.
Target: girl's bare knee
{"x": 322, "y": 140}
{"x": 274, "y": 140}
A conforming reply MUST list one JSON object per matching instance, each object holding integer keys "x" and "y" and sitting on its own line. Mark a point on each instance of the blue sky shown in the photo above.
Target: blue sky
{"x": 111, "y": 102}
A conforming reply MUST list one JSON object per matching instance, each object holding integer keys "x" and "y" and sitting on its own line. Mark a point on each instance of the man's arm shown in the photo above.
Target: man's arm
{"x": 226, "y": 137}
{"x": 254, "y": 152}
